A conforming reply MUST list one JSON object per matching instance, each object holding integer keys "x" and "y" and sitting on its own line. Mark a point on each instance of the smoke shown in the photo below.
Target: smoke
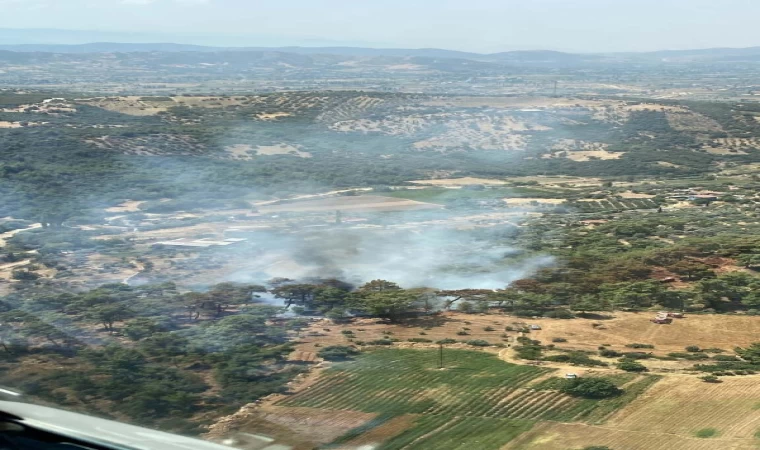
{"x": 442, "y": 258}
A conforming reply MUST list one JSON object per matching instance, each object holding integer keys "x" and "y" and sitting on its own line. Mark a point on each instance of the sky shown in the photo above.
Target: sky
{"x": 468, "y": 25}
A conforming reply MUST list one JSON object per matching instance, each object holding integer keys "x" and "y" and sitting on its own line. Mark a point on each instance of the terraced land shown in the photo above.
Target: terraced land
{"x": 475, "y": 400}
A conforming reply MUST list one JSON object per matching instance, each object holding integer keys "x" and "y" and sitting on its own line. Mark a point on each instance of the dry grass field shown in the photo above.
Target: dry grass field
{"x": 359, "y": 203}
{"x": 667, "y": 416}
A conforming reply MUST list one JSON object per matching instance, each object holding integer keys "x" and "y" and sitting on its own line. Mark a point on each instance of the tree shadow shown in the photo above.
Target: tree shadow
{"x": 595, "y": 316}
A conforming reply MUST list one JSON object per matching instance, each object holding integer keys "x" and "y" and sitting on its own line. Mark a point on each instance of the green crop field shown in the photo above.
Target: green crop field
{"x": 476, "y": 394}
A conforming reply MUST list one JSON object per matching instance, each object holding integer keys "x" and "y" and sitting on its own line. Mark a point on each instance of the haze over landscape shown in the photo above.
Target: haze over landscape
{"x": 485, "y": 26}
{"x": 385, "y": 225}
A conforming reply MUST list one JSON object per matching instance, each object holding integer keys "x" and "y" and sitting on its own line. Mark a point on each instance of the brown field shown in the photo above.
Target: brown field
{"x": 528, "y": 201}
{"x": 465, "y": 181}
{"x": 583, "y": 156}
{"x": 358, "y": 203}
{"x": 705, "y": 331}
{"x": 10, "y": 234}
{"x": 630, "y": 194}
{"x": 128, "y": 206}
{"x": 281, "y": 149}
{"x": 300, "y": 428}
{"x": 666, "y": 417}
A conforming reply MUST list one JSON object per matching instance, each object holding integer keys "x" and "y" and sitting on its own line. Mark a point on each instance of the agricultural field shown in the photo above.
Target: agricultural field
{"x": 355, "y": 203}
{"x": 476, "y": 399}
{"x": 669, "y": 415}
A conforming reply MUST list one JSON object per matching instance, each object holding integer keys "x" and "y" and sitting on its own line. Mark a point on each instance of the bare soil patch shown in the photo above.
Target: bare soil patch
{"x": 658, "y": 419}
{"x": 457, "y": 182}
{"x": 355, "y": 203}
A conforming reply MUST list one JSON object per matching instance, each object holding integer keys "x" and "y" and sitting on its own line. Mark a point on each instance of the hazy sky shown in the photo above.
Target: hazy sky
{"x": 473, "y": 25}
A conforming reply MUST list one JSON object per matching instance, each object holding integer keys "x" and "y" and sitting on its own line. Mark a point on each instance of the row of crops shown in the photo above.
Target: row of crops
{"x": 615, "y": 205}
{"x": 477, "y": 401}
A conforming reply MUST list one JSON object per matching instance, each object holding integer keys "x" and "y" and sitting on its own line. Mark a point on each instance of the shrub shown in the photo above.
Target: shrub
{"x": 713, "y": 350}
{"x": 630, "y": 365}
{"x": 591, "y": 388}
{"x": 710, "y": 379}
{"x": 725, "y": 358}
{"x": 419, "y": 340}
{"x": 489, "y": 329}
{"x": 422, "y": 333}
{"x": 607, "y": 353}
{"x": 560, "y": 313}
{"x": 478, "y": 343}
{"x": 558, "y": 339}
{"x": 380, "y": 342}
{"x": 637, "y": 355}
{"x": 693, "y": 349}
{"x": 597, "y": 447}
{"x": 347, "y": 332}
{"x": 462, "y": 333}
{"x": 337, "y": 352}
{"x": 706, "y": 433}
{"x": 509, "y": 328}
{"x": 636, "y": 345}
{"x": 446, "y": 341}
{"x": 529, "y": 352}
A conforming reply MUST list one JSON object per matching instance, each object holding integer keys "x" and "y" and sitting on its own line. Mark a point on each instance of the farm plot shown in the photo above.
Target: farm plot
{"x": 657, "y": 420}
{"x": 615, "y": 205}
{"x": 359, "y": 203}
{"x": 476, "y": 400}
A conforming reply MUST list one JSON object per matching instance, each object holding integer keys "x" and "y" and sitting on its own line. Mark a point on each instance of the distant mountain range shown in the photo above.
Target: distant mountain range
{"x": 751, "y": 54}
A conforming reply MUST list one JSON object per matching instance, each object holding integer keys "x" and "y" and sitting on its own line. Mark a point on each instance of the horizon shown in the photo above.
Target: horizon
{"x": 305, "y": 44}
{"x": 481, "y": 26}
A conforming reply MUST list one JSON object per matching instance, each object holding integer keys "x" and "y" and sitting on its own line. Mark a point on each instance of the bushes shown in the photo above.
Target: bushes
{"x": 637, "y": 355}
{"x": 462, "y": 333}
{"x": 689, "y": 356}
{"x": 478, "y": 343}
{"x": 559, "y": 339}
{"x": 421, "y": 340}
{"x": 710, "y": 379}
{"x": 636, "y": 345}
{"x": 595, "y": 388}
{"x": 693, "y": 349}
{"x": 529, "y": 352}
{"x": 337, "y": 353}
{"x": 380, "y": 342}
{"x": 560, "y": 314}
{"x": 577, "y": 359}
{"x": 607, "y": 353}
{"x": 446, "y": 341}
{"x": 630, "y": 365}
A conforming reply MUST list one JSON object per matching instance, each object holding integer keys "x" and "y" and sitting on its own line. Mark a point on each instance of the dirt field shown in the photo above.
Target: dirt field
{"x": 301, "y": 428}
{"x": 705, "y": 331}
{"x": 281, "y": 149}
{"x": 349, "y": 203}
{"x": 128, "y": 206}
{"x": 458, "y": 182}
{"x": 12, "y": 233}
{"x": 667, "y": 417}
{"x": 528, "y": 201}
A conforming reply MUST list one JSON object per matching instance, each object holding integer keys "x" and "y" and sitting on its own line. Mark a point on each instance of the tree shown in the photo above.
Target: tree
{"x": 692, "y": 270}
{"x": 337, "y": 353}
{"x": 591, "y": 388}
{"x": 749, "y": 261}
{"x": 379, "y": 286}
{"x": 630, "y": 365}
{"x": 109, "y": 314}
{"x": 386, "y": 303}
{"x": 471, "y": 295}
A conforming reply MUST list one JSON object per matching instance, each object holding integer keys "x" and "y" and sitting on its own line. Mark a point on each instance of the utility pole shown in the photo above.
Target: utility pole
{"x": 555, "y": 88}
{"x": 440, "y": 356}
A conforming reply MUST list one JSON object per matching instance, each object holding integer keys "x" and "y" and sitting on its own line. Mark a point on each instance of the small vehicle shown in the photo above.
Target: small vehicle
{"x": 535, "y": 327}
{"x": 571, "y": 376}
